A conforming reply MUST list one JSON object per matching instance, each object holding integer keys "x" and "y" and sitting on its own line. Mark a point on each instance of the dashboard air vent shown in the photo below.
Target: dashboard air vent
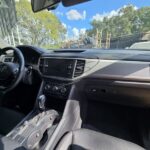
{"x": 41, "y": 65}
{"x": 79, "y": 68}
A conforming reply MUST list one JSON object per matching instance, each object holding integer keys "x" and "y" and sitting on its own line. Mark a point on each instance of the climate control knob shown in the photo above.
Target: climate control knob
{"x": 55, "y": 88}
{"x": 47, "y": 87}
{"x": 63, "y": 90}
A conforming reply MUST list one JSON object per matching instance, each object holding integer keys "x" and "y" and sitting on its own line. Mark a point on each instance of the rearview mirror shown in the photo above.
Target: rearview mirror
{"x": 38, "y": 5}
{"x": 68, "y": 3}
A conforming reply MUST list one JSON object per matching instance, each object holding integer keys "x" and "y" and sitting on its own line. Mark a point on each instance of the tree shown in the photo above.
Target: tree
{"x": 144, "y": 15}
{"x": 128, "y": 21}
{"x": 42, "y": 29}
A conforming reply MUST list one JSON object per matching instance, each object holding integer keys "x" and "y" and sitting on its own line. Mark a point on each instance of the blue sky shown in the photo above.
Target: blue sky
{"x": 77, "y": 18}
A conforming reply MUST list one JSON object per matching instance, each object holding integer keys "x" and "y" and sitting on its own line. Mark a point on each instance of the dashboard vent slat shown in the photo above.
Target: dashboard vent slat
{"x": 41, "y": 64}
{"x": 79, "y": 68}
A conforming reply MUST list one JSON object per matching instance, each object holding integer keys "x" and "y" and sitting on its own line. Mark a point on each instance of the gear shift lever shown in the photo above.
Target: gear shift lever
{"x": 41, "y": 102}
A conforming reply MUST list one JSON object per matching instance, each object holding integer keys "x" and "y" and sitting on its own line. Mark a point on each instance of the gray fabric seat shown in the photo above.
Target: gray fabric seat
{"x": 91, "y": 140}
{"x": 9, "y": 119}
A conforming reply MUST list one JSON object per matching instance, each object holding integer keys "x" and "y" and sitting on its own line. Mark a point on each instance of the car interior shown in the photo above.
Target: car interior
{"x": 83, "y": 91}
{"x": 74, "y": 99}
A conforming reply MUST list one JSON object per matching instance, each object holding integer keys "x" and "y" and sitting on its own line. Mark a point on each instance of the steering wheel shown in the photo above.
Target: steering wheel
{"x": 10, "y": 72}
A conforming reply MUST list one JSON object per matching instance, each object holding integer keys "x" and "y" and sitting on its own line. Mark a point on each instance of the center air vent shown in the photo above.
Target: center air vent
{"x": 79, "y": 69}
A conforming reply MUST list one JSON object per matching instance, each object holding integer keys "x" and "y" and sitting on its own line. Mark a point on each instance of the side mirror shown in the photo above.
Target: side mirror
{"x": 38, "y": 5}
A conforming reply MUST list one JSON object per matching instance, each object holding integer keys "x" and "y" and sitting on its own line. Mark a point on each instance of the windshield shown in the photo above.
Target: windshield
{"x": 94, "y": 24}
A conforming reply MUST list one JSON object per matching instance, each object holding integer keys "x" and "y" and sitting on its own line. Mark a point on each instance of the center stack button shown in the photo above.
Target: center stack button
{"x": 55, "y": 88}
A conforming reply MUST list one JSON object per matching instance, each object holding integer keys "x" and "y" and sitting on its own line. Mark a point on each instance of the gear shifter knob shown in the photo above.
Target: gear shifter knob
{"x": 41, "y": 102}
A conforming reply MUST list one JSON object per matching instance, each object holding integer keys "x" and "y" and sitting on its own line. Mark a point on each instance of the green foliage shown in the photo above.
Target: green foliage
{"x": 128, "y": 21}
{"x": 42, "y": 29}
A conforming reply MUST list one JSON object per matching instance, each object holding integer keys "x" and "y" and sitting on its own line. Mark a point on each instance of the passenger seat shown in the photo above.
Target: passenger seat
{"x": 85, "y": 139}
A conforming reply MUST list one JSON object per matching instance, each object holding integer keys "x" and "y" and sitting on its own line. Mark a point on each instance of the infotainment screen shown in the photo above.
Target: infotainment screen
{"x": 59, "y": 67}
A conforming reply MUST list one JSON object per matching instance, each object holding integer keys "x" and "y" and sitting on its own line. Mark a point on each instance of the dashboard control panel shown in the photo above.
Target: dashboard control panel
{"x": 56, "y": 90}
{"x": 60, "y": 73}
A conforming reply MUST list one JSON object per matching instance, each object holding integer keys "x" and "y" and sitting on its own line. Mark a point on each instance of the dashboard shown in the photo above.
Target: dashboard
{"x": 108, "y": 75}
{"x": 124, "y": 65}
{"x": 102, "y": 75}
{"x": 31, "y": 54}
{"x": 69, "y": 65}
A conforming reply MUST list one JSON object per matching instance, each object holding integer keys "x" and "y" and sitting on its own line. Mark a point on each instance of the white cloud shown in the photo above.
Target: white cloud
{"x": 64, "y": 25}
{"x": 58, "y": 13}
{"x": 84, "y": 14}
{"x": 100, "y": 17}
{"x": 66, "y": 36}
{"x": 82, "y": 31}
{"x": 75, "y": 32}
{"x": 136, "y": 8}
{"x": 75, "y": 15}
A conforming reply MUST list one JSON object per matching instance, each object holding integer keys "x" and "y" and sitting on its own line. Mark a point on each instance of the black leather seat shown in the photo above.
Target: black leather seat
{"x": 91, "y": 140}
{"x": 9, "y": 119}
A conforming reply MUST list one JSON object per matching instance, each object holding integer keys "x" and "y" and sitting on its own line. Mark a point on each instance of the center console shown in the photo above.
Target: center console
{"x": 59, "y": 74}
{"x": 56, "y": 89}
{"x": 30, "y": 132}
{"x": 53, "y": 114}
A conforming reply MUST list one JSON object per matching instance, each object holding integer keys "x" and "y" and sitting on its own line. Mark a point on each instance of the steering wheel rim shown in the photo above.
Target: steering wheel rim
{"x": 20, "y": 73}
